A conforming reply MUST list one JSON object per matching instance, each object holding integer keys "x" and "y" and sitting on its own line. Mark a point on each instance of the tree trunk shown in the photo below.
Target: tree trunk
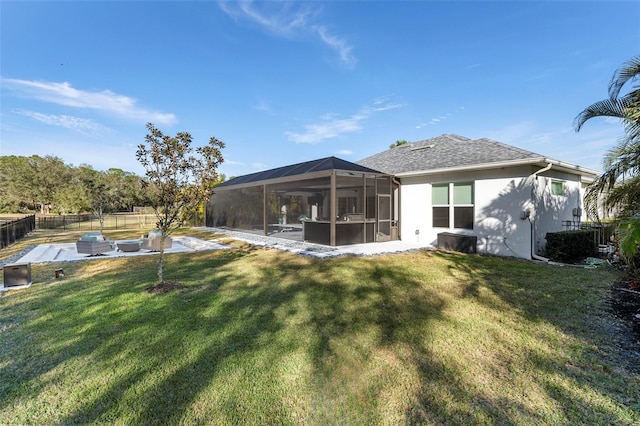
{"x": 161, "y": 260}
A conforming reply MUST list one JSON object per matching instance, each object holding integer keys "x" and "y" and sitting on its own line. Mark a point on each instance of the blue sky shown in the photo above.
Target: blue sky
{"x": 286, "y": 82}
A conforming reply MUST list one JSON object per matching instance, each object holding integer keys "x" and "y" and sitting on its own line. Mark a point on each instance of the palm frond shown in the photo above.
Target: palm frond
{"x": 628, "y": 71}
{"x": 592, "y": 203}
{"x": 629, "y": 237}
{"x": 604, "y": 108}
{"x": 631, "y": 119}
{"x": 625, "y": 197}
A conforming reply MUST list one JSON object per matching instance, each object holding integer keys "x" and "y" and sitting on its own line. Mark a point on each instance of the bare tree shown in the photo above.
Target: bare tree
{"x": 177, "y": 177}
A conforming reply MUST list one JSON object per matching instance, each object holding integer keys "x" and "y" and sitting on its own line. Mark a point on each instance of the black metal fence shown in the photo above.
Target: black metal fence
{"x": 112, "y": 221}
{"x": 603, "y": 231}
{"x": 12, "y": 230}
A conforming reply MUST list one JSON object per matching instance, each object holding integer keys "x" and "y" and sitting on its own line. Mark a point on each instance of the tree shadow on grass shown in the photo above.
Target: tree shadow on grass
{"x": 91, "y": 311}
{"x": 260, "y": 336}
{"x": 567, "y": 307}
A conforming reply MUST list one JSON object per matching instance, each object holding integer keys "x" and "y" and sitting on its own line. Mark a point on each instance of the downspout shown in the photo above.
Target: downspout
{"x": 533, "y": 225}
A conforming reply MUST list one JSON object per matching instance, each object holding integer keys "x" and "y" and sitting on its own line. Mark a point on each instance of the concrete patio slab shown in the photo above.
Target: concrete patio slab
{"x": 66, "y": 252}
{"x": 320, "y": 251}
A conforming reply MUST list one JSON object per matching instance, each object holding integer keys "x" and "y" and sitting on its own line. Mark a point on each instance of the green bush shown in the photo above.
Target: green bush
{"x": 570, "y": 246}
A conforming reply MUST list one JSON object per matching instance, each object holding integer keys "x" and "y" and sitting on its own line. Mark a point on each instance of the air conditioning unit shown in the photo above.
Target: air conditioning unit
{"x": 17, "y": 274}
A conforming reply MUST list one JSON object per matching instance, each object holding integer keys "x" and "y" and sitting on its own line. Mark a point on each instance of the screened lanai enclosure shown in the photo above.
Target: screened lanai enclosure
{"x": 328, "y": 201}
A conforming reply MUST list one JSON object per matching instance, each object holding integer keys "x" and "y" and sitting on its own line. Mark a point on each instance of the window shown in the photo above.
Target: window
{"x": 440, "y": 203}
{"x": 557, "y": 187}
{"x": 457, "y": 209}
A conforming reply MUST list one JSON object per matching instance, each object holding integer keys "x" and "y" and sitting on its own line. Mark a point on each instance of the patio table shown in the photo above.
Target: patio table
{"x": 129, "y": 245}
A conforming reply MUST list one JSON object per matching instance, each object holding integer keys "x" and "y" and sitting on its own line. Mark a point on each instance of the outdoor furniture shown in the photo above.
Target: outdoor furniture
{"x": 17, "y": 274}
{"x": 129, "y": 245}
{"x": 93, "y": 243}
{"x": 151, "y": 241}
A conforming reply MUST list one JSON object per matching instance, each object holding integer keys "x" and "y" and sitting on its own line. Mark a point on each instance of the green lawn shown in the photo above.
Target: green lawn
{"x": 265, "y": 337}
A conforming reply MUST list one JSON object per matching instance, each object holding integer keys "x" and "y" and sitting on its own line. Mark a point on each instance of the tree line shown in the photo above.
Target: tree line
{"x": 48, "y": 185}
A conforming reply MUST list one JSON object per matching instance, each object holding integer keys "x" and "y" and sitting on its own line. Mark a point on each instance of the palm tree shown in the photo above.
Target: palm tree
{"x": 619, "y": 185}
{"x": 625, "y": 108}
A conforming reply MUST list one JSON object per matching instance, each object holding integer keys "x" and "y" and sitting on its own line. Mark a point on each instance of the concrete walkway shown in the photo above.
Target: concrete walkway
{"x": 320, "y": 251}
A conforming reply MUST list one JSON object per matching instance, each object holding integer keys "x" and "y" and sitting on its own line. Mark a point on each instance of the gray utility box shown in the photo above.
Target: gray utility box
{"x": 16, "y": 274}
{"x": 457, "y": 242}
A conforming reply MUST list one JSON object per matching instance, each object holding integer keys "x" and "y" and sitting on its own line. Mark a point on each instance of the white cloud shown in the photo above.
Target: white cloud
{"x": 104, "y": 101}
{"x": 290, "y": 20}
{"x": 345, "y": 152}
{"x": 332, "y": 126}
{"x": 436, "y": 120}
{"x": 276, "y": 17}
{"x": 338, "y": 44}
{"x": 264, "y": 106}
{"x": 66, "y": 121}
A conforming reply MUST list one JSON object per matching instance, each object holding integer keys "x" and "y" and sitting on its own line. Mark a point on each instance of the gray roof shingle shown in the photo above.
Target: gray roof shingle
{"x": 443, "y": 152}
{"x": 321, "y": 164}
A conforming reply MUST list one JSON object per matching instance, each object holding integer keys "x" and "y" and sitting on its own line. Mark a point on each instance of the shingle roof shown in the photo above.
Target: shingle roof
{"x": 443, "y": 152}
{"x": 327, "y": 163}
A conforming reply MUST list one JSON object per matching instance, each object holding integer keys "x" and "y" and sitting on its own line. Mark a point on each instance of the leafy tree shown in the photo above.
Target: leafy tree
{"x": 619, "y": 185}
{"x": 398, "y": 143}
{"x": 100, "y": 195}
{"x": 13, "y": 173}
{"x": 73, "y": 197}
{"x": 50, "y": 174}
{"x": 30, "y": 183}
{"x": 132, "y": 194}
{"x": 178, "y": 177}
{"x": 47, "y": 184}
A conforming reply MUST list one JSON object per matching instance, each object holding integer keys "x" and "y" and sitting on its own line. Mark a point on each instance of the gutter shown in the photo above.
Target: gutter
{"x": 500, "y": 164}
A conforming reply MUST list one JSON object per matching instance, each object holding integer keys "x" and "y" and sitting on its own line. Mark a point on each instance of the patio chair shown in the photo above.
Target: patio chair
{"x": 151, "y": 241}
{"x": 93, "y": 244}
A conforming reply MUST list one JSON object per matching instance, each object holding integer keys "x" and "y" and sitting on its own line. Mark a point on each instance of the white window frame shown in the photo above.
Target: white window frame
{"x": 564, "y": 187}
{"x": 451, "y": 204}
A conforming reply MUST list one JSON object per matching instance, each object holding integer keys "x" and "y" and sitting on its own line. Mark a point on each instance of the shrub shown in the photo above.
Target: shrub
{"x": 570, "y": 246}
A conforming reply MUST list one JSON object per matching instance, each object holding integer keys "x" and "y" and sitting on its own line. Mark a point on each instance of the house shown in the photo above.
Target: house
{"x": 506, "y": 197}
{"x": 501, "y": 198}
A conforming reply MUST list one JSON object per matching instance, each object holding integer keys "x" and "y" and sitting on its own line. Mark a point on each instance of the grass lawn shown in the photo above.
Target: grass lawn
{"x": 265, "y": 337}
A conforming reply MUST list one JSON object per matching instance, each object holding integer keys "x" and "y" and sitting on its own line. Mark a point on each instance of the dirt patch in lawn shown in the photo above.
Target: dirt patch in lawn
{"x": 164, "y": 287}
{"x": 624, "y": 302}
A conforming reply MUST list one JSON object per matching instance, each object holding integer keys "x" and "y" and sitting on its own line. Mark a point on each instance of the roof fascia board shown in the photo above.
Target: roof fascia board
{"x": 530, "y": 161}
{"x": 300, "y": 177}
{"x": 284, "y": 179}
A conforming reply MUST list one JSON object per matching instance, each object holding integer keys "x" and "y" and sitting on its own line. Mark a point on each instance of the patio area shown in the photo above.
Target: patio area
{"x": 67, "y": 252}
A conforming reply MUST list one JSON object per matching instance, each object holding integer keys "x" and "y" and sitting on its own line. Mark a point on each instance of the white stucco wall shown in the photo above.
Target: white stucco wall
{"x": 552, "y": 210}
{"x": 500, "y": 196}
